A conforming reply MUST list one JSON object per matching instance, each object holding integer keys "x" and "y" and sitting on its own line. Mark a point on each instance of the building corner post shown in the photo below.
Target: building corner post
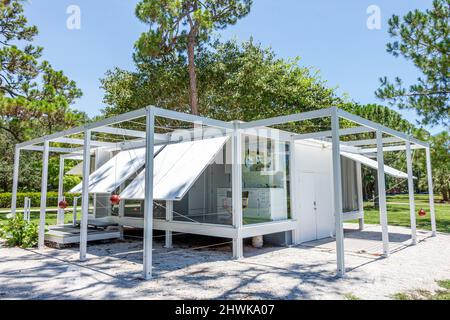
{"x": 337, "y": 192}
{"x": 382, "y": 193}
{"x": 43, "y": 205}
{"x": 148, "y": 204}
{"x": 85, "y": 194}
{"x": 236, "y": 189}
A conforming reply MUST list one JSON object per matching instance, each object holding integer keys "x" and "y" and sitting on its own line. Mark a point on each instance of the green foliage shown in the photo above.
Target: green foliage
{"x": 69, "y": 181}
{"x": 52, "y": 199}
{"x": 19, "y": 232}
{"x": 392, "y": 119}
{"x": 177, "y": 27}
{"x": 440, "y": 158}
{"x": 236, "y": 81}
{"x": 35, "y": 99}
{"x": 424, "y": 39}
{"x": 22, "y": 74}
{"x": 173, "y": 21}
{"x": 246, "y": 81}
{"x": 18, "y": 66}
{"x": 382, "y": 115}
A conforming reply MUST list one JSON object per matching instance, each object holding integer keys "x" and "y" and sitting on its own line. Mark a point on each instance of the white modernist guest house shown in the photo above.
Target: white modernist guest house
{"x": 233, "y": 180}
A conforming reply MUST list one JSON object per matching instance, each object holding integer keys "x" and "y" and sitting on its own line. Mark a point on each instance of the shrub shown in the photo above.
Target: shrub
{"x": 19, "y": 232}
{"x": 52, "y": 199}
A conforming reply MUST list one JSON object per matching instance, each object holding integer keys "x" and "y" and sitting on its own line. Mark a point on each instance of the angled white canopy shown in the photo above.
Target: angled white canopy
{"x": 115, "y": 171}
{"x": 373, "y": 164}
{"x": 176, "y": 168}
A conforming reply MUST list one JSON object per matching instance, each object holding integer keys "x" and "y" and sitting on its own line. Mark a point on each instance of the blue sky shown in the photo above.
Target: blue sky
{"x": 329, "y": 35}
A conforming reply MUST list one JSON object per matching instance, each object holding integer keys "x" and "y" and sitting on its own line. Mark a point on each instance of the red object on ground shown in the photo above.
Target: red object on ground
{"x": 422, "y": 212}
{"x": 63, "y": 204}
{"x": 115, "y": 199}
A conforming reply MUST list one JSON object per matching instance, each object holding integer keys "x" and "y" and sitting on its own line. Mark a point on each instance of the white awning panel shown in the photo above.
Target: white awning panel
{"x": 374, "y": 164}
{"x": 76, "y": 170}
{"x": 176, "y": 168}
{"x": 115, "y": 171}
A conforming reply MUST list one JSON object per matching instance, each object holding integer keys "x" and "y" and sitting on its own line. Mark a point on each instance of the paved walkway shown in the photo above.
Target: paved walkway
{"x": 113, "y": 270}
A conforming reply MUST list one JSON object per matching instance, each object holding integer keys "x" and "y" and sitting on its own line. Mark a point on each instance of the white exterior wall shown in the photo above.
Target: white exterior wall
{"x": 313, "y": 182}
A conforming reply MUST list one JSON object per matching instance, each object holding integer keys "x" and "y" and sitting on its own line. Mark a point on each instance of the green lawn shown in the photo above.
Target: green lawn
{"x": 442, "y": 294}
{"x": 50, "y": 217}
{"x": 398, "y": 213}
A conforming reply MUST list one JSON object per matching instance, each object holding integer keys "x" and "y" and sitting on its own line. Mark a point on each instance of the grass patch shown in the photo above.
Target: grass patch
{"x": 50, "y": 217}
{"x": 350, "y": 296}
{"x": 420, "y": 294}
{"x": 444, "y": 284}
{"x": 398, "y": 213}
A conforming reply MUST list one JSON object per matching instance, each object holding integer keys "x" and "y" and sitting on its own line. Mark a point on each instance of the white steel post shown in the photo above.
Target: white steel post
{"x": 412, "y": 209}
{"x": 85, "y": 194}
{"x": 43, "y": 195}
{"x": 430, "y": 192}
{"x": 293, "y": 187}
{"x": 27, "y": 209}
{"x": 169, "y": 217}
{"x": 25, "y": 204}
{"x": 75, "y": 209}
{"x": 148, "y": 206}
{"x": 382, "y": 194}
{"x": 236, "y": 184}
{"x": 359, "y": 187}
{"x": 60, "y": 215}
{"x": 337, "y": 192}
{"x": 15, "y": 181}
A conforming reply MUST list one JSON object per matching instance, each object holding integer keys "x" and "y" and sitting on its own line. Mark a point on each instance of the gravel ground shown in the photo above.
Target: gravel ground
{"x": 113, "y": 270}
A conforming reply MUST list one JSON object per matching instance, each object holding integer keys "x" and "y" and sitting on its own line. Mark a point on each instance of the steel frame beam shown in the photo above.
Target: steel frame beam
{"x": 372, "y": 141}
{"x": 237, "y": 128}
{"x": 325, "y": 134}
{"x": 321, "y": 113}
{"x": 379, "y": 127}
{"x": 389, "y": 149}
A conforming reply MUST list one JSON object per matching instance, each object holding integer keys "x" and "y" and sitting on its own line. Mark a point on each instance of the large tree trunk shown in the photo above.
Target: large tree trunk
{"x": 445, "y": 195}
{"x": 193, "y": 95}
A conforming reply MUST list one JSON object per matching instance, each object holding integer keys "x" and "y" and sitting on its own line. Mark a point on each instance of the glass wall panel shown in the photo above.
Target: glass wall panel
{"x": 209, "y": 200}
{"x": 265, "y": 180}
{"x": 349, "y": 185}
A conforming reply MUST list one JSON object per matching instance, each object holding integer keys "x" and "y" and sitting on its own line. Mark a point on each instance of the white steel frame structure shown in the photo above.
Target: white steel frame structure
{"x": 237, "y": 231}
